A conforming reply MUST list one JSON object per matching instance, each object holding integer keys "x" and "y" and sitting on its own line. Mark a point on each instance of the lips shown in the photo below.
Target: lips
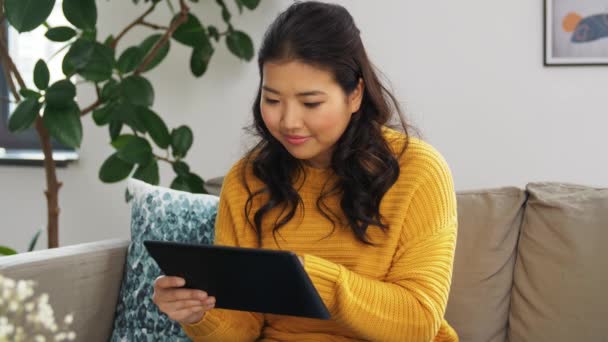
{"x": 296, "y": 139}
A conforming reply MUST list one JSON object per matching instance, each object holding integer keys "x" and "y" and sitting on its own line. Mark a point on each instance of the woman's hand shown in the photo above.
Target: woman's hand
{"x": 186, "y": 306}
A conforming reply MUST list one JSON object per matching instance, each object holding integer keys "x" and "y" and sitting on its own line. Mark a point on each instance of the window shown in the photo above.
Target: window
{"x": 25, "y": 50}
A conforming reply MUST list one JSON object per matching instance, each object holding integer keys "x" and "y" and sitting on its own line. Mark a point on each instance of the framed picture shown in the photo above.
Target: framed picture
{"x": 576, "y": 32}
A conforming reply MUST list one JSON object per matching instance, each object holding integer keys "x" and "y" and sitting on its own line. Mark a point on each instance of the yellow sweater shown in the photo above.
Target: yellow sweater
{"x": 396, "y": 290}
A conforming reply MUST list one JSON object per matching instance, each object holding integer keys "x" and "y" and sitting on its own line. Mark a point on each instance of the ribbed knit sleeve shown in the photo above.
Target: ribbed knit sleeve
{"x": 218, "y": 324}
{"x": 410, "y": 303}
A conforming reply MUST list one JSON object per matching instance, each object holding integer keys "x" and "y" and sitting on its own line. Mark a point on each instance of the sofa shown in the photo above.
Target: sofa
{"x": 531, "y": 265}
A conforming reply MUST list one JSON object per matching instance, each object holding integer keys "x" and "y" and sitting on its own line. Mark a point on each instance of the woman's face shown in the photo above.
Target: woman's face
{"x": 306, "y": 110}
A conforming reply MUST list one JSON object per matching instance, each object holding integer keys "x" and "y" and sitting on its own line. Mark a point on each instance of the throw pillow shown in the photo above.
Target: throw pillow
{"x": 157, "y": 213}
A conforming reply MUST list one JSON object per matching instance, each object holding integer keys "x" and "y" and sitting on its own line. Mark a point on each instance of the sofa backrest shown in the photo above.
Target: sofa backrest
{"x": 81, "y": 279}
{"x": 561, "y": 272}
{"x": 488, "y": 229}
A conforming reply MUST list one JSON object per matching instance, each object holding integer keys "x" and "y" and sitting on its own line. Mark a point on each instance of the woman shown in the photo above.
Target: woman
{"x": 370, "y": 211}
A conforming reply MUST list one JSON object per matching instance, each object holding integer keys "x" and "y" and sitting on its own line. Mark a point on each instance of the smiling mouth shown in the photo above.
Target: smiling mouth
{"x": 295, "y": 140}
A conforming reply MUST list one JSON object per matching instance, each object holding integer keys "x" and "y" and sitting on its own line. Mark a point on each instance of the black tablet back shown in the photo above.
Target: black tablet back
{"x": 245, "y": 279}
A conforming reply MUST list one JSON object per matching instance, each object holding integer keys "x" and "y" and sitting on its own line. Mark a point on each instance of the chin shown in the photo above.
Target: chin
{"x": 302, "y": 154}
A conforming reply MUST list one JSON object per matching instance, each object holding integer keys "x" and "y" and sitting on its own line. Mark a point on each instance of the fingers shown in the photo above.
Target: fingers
{"x": 167, "y": 282}
{"x": 180, "y": 304}
{"x": 187, "y": 304}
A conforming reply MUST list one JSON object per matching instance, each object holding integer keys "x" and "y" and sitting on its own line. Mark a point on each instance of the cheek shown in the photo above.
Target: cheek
{"x": 270, "y": 117}
{"x": 330, "y": 124}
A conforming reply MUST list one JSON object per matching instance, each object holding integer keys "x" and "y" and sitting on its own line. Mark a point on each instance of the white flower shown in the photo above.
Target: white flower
{"x": 24, "y": 290}
{"x": 13, "y": 305}
{"x": 18, "y": 306}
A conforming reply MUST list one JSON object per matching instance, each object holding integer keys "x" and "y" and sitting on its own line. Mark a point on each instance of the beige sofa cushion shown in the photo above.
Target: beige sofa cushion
{"x": 488, "y": 229}
{"x": 81, "y": 279}
{"x": 561, "y": 272}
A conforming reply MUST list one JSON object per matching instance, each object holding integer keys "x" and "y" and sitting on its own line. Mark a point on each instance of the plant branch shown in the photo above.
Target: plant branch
{"x": 183, "y": 16}
{"x": 52, "y": 192}
{"x": 11, "y": 66}
{"x": 154, "y": 26}
{"x": 53, "y": 186}
{"x": 163, "y": 159}
{"x": 136, "y": 22}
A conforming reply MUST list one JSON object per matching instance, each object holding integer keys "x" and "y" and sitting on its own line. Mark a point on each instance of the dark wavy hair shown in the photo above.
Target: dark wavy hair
{"x": 325, "y": 36}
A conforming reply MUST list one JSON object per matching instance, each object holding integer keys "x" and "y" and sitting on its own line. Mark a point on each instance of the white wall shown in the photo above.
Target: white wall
{"x": 469, "y": 73}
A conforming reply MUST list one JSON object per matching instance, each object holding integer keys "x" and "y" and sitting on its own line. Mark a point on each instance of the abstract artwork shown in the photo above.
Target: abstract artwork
{"x": 576, "y": 32}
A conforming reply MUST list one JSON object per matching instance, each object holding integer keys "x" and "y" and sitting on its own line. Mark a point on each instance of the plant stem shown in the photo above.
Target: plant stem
{"x": 163, "y": 159}
{"x": 52, "y": 192}
{"x": 154, "y": 26}
{"x": 136, "y": 22}
{"x": 171, "y": 8}
{"x": 183, "y": 16}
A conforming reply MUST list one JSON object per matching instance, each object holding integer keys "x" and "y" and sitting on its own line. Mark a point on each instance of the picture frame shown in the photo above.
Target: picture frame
{"x": 575, "y": 32}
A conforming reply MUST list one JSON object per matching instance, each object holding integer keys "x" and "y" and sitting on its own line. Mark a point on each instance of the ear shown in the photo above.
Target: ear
{"x": 356, "y": 97}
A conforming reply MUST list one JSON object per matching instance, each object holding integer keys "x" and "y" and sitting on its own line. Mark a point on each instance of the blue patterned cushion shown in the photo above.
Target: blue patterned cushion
{"x": 157, "y": 214}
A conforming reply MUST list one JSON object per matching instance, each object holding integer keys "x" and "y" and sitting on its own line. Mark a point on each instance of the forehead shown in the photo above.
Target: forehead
{"x": 296, "y": 76}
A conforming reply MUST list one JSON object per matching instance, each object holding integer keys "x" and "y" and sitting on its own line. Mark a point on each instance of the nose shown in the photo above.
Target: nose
{"x": 291, "y": 119}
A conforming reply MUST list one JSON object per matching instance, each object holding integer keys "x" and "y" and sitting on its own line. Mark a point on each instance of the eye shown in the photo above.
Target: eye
{"x": 312, "y": 104}
{"x": 271, "y": 101}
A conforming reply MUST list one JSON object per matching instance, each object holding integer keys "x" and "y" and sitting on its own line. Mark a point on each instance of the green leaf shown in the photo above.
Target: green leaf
{"x": 240, "y": 44}
{"x": 181, "y": 141}
{"x": 60, "y": 94}
{"x": 190, "y": 183}
{"x": 225, "y": 13}
{"x": 77, "y": 57}
{"x": 148, "y": 173}
{"x": 81, "y": 13}
{"x": 181, "y": 168}
{"x": 114, "y": 169}
{"x": 103, "y": 115}
{"x": 122, "y": 140}
{"x": 250, "y": 4}
{"x": 196, "y": 184}
{"x": 137, "y": 90}
{"x": 24, "y": 115}
{"x": 25, "y": 92}
{"x": 191, "y": 32}
{"x": 213, "y": 32}
{"x": 180, "y": 183}
{"x": 92, "y": 60}
{"x": 64, "y": 124}
{"x": 130, "y": 59}
{"x": 7, "y": 251}
{"x": 200, "y": 59}
{"x": 89, "y": 34}
{"x": 109, "y": 40}
{"x": 147, "y": 45}
{"x": 26, "y": 15}
{"x": 41, "y": 75}
{"x": 60, "y": 34}
{"x": 136, "y": 150}
{"x": 155, "y": 126}
{"x": 239, "y": 4}
{"x": 110, "y": 90}
{"x": 100, "y": 65}
{"x": 33, "y": 241}
{"x": 127, "y": 114}
{"x": 114, "y": 127}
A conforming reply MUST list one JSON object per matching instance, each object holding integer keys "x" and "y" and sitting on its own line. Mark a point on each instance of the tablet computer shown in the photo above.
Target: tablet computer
{"x": 246, "y": 279}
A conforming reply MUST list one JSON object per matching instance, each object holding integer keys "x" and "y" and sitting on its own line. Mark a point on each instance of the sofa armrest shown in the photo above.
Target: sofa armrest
{"x": 82, "y": 279}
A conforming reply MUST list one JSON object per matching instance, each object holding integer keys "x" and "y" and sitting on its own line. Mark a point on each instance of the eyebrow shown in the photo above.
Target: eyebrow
{"x": 305, "y": 93}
